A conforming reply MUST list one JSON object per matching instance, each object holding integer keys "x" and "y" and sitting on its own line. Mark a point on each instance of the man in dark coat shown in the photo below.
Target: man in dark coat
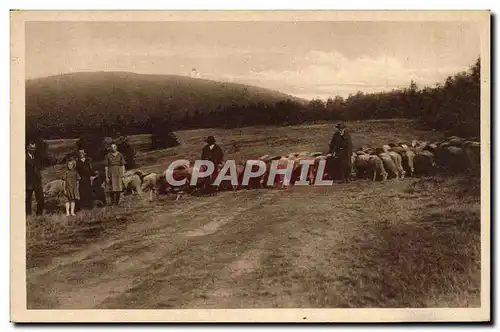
{"x": 341, "y": 148}
{"x": 84, "y": 169}
{"x": 33, "y": 179}
{"x": 212, "y": 152}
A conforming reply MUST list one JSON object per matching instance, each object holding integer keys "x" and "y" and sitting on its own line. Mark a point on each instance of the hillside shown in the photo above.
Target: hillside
{"x": 110, "y": 103}
{"x": 80, "y": 99}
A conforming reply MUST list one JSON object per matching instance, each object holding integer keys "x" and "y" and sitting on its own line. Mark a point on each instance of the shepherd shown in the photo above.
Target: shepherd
{"x": 341, "y": 148}
{"x": 212, "y": 152}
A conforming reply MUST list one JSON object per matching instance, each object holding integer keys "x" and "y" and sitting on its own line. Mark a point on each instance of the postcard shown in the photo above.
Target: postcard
{"x": 250, "y": 166}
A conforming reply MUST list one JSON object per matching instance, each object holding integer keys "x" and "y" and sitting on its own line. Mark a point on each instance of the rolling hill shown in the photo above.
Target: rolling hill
{"x": 91, "y": 97}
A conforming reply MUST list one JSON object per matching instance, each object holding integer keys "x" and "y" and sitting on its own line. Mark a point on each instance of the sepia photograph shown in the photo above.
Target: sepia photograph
{"x": 281, "y": 162}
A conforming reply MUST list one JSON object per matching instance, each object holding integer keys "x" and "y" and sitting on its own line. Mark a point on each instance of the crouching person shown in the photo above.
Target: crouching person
{"x": 98, "y": 183}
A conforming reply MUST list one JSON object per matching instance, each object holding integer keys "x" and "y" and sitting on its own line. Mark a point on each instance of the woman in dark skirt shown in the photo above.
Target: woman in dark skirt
{"x": 115, "y": 171}
{"x": 84, "y": 169}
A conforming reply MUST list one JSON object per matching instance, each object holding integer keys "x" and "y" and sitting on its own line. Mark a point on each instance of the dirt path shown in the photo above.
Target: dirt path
{"x": 304, "y": 247}
{"x": 205, "y": 252}
{"x": 233, "y": 250}
{"x": 106, "y": 273}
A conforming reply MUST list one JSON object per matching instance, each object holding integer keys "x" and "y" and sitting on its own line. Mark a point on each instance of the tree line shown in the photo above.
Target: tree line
{"x": 452, "y": 107}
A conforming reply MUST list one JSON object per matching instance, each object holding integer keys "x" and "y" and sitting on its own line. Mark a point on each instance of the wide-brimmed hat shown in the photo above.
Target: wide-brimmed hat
{"x": 210, "y": 140}
{"x": 340, "y": 126}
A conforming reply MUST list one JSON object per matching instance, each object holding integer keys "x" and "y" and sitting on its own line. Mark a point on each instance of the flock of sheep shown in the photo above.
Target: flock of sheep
{"x": 418, "y": 158}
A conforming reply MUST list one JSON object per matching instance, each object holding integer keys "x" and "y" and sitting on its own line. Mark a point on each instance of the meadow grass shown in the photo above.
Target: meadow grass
{"x": 407, "y": 243}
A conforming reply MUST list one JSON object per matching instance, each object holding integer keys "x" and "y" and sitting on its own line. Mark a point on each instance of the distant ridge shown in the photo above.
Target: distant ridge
{"x": 85, "y": 94}
{"x": 85, "y": 99}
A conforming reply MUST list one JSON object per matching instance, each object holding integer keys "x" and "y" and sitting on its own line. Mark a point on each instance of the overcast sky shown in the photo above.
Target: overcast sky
{"x": 305, "y": 59}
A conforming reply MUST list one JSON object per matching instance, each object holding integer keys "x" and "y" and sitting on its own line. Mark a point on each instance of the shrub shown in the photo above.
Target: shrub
{"x": 162, "y": 135}
{"x": 127, "y": 150}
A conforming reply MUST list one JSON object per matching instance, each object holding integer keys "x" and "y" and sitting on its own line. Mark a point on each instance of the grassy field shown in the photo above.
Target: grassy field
{"x": 408, "y": 243}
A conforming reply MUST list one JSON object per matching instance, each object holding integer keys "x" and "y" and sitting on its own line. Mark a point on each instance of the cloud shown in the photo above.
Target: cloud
{"x": 311, "y": 74}
{"x": 324, "y": 74}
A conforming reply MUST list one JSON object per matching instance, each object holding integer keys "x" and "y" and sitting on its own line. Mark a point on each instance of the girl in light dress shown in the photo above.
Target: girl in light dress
{"x": 71, "y": 188}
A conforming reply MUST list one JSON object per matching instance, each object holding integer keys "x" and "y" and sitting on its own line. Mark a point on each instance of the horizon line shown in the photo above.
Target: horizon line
{"x": 393, "y": 86}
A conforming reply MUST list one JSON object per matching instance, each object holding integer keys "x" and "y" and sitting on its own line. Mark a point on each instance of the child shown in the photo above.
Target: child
{"x": 71, "y": 190}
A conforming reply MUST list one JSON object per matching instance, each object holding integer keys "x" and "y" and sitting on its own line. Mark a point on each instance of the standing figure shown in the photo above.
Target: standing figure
{"x": 212, "y": 152}
{"x": 71, "y": 186}
{"x": 115, "y": 171}
{"x": 33, "y": 179}
{"x": 85, "y": 171}
{"x": 341, "y": 148}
